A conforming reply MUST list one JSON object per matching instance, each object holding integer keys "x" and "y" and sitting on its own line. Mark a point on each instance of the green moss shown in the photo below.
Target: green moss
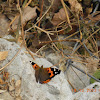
{"x": 96, "y": 75}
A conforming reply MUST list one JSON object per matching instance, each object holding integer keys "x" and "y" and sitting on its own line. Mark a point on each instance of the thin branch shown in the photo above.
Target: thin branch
{"x": 70, "y": 40}
{"x": 41, "y": 12}
{"x": 85, "y": 40}
{"x": 66, "y": 13}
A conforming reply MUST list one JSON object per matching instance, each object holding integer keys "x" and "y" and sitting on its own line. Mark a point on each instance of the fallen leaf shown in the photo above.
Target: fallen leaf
{"x": 3, "y": 25}
{"x": 47, "y": 3}
{"x": 17, "y": 87}
{"x": 18, "y": 83}
{"x": 1, "y": 81}
{"x": 27, "y": 14}
{"x": 18, "y": 98}
{"x": 59, "y": 17}
{"x": 3, "y": 55}
{"x": 5, "y": 76}
{"x": 75, "y": 6}
{"x": 11, "y": 85}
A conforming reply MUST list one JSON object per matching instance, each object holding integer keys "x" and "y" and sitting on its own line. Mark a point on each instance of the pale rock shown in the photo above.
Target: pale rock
{"x": 78, "y": 79}
{"x": 20, "y": 68}
{"x": 91, "y": 92}
{"x": 6, "y": 96}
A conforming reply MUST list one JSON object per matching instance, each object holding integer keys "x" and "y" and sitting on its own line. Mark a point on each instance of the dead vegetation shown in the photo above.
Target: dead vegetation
{"x": 38, "y": 25}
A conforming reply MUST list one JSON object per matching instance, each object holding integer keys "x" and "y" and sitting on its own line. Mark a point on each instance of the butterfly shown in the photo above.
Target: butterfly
{"x": 44, "y": 75}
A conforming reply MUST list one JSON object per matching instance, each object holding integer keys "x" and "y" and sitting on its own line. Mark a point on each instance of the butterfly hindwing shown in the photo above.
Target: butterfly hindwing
{"x": 43, "y": 75}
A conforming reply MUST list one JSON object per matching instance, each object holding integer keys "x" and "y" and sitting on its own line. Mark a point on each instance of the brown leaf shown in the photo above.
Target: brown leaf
{"x": 28, "y": 13}
{"x": 11, "y": 85}
{"x": 1, "y": 81}
{"x": 75, "y": 6}
{"x": 17, "y": 87}
{"x": 3, "y": 25}
{"x": 3, "y": 55}
{"x": 59, "y": 17}
{"x": 18, "y": 98}
{"x": 56, "y": 4}
{"x": 5, "y": 76}
{"x": 47, "y": 3}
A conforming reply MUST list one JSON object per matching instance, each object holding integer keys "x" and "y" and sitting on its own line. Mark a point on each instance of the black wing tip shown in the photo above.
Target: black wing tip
{"x": 32, "y": 62}
{"x": 59, "y": 71}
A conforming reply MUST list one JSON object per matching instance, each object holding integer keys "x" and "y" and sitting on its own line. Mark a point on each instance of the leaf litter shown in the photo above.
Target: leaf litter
{"x": 52, "y": 20}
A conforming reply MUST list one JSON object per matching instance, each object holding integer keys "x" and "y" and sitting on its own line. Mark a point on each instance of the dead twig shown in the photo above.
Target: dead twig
{"x": 70, "y": 40}
{"x": 28, "y": 3}
{"x": 22, "y": 31}
{"x": 41, "y": 12}
{"x": 66, "y": 13}
{"x": 85, "y": 41}
{"x": 41, "y": 17}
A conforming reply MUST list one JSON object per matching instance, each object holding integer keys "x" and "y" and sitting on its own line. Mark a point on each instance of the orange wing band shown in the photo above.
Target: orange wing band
{"x": 46, "y": 81}
{"x": 50, "y": 71}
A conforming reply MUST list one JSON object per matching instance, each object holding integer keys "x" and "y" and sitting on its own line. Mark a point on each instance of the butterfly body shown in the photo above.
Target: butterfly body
{"x": 44, "y": 75}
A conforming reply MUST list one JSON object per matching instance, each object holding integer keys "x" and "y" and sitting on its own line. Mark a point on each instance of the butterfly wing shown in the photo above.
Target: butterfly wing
{"x": 36, "y": 67}
{"x": 53, "y": 71}
{"x": 44, "y": 75}
{"x": 48, "y": 74}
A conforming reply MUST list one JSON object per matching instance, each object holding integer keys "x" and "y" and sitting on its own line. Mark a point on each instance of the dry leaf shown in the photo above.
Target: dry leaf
{"x": 28, "y": 14}
{"x": 5, "y": 76}
{"x": 11, "y": 85}
{"x": 3, "y": 55}
{"x": 3, "y": 25}
{"x": 59, "y": 17}
{"x": 75, "y": 6}
{"x": 47, "y": 3}
{"x": 17, "y": 87}
{"x": 1, "y": 81}
{"x": 18, "y": 83}
{"x": 18, "y": 98}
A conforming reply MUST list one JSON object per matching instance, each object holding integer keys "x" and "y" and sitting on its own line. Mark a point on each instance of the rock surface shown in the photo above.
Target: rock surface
{"x": 56, "y": 89}
{"x": 91, "y": 92}
{"x": 6, "y": 96}
{"x": 76, "y": 77}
